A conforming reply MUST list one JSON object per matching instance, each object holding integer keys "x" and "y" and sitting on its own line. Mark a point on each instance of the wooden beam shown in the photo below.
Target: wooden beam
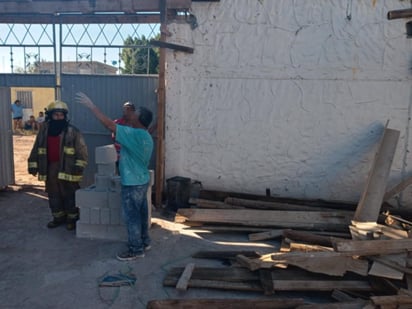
{"x": 392, "y": 300}
{"x": 80, "y": 19}
{"x": 369, "y": 206}
{"x": 266, "y": 235}
{"x": 86, "y": 6}
{"x": 270, "y": 218}
{"x": 161, "y": 112}
{"x": 231, "y": 303}
{"x": 178, "y": 47}
{"x": 373, "y": 247}
{"x": 255, "y": 204}
{"x": 82, "y": 6}
{"x": 398, "y": 188}
{"x": 185, "y": 277}
{"x": 396, "y": 14}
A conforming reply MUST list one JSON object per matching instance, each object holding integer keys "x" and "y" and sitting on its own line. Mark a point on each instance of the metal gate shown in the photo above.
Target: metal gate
{"x": 6, "y": 141}
{"x": 108, "y": 89}
{"x": 109, "y": 92}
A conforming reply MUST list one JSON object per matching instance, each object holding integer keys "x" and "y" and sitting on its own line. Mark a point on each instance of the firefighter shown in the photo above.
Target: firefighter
{"x": 58, "y": 157}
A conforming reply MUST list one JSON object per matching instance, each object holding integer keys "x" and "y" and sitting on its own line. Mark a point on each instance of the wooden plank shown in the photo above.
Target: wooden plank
{"x": 294, "y": 246}
{"x": 341, "y": 296}
{"x": 391, "y": 300}
{"x": 202, "y": 203}
{"x": 398, "y": 263}
{"x": 222, "y": 195}
{"x": 266, "y": 235}
{"x": 86, "y": 6}
{"x": 355, "y": 304}
{"x": 161, "y": 114}
{"x": 232, "y": 303}
{"x": 308, "y": 237}
{"x": 369, "y": 206}
{"x": 255, "y": 204}
{"x": 274, "y": 218}
{"x": 173, "y": 46}
{"x": 229, "y": 274}
{"x": 224, "y": 254}
{"x": 373, "y": 247}
{"x": 229, "y": 229}
{"x": 381, "y": 270}
{"x": 80, "y": 19}
{"x": 254, "y": 264}
{"x": 398, "y": 188}
{"x": 83, "y": 6}
{"x": 219, "y": 285}
{"x": 329, "y": 263}
{"x": 266, "y": 281}
{"x": 395, "y": 14}
{"x": 315, "y": 285}
{"x": 185, "y": 277}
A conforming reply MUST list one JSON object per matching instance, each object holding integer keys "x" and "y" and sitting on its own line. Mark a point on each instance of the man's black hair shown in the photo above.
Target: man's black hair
{"x": 145, "y": 116}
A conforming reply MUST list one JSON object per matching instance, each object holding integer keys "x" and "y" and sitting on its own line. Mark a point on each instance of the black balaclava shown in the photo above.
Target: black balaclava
{"x": 57, "y": 126}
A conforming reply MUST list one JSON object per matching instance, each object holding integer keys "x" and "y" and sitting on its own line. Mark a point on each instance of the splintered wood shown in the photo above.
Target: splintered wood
{"x": 325, "y": 246}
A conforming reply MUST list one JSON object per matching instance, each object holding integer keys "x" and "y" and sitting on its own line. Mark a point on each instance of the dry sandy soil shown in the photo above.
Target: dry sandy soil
{"x": 22, "y": 145}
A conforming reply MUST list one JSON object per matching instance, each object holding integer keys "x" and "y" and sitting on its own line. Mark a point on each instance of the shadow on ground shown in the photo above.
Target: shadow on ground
{"x": 52, "y": 268}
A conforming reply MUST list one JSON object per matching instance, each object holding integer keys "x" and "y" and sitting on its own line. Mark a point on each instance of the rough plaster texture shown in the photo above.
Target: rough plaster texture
{"x": 288, "y": 95}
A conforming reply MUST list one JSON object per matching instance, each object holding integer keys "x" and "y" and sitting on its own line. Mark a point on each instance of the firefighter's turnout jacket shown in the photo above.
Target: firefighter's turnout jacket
{"x": 73, "y": 154}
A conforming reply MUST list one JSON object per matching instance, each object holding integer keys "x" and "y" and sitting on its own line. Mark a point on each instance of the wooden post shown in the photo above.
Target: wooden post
{"x": 370, "y": 203}
{"x": 161, "y": 99}
{"x": 407, "y": 13}
{"x": 184, "y": 279}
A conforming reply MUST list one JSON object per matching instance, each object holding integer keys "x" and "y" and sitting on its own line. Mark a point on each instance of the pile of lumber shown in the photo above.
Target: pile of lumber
{"x": 359, "y": 254}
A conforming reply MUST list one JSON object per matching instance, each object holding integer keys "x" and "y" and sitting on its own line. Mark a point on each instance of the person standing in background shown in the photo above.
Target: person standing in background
{"x": 136, "y": 147}
{"x": 59, "y": 156}
{"x": 17, "y": 112}
{"x": 40, "y": 120}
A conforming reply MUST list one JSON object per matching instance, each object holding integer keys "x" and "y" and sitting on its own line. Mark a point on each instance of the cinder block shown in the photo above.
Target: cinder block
{"x": 105, "y": 154}
{"x": 114, "y": 199}
{"x": 115, "y": 217}
{"x": 95, "y": 216}
{"x": 84, "y": 215}
{"x": 108, "y": 169}
{"x": 89, "y": 198}
{"x": 102, "y": 182}
{"x": 105, "y": 216}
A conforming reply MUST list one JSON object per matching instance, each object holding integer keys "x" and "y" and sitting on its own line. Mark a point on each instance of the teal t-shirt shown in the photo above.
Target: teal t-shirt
{"x": 135, "y": 153}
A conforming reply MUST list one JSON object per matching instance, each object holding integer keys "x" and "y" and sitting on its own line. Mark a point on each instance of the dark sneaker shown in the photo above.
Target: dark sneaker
{"x": 147, "y": 248}
{"x": 71, "y": 226}
{"x": 54, "y": 223}
{"x": 129, "y": 256}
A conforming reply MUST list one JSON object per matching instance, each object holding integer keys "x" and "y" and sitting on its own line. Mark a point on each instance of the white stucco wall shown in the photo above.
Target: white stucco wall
{"x": 289, "y": 95}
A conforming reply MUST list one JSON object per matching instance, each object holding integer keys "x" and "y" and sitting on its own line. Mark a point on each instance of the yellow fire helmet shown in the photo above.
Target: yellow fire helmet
{"x": 58, "y": 106}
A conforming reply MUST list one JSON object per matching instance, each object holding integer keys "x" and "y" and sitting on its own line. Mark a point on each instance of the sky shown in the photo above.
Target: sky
{"x": 21, "y": 44}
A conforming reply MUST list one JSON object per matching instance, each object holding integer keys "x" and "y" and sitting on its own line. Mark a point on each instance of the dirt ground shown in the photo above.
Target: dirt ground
{"x": 52, "y": 268}
{"x": 22, "y": 145}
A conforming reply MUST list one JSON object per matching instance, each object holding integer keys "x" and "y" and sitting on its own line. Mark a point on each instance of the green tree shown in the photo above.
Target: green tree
{"x": 139, "y": 58}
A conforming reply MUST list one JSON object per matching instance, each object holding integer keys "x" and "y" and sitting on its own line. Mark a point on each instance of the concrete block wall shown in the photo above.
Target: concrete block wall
{"x": 100, "y": 204}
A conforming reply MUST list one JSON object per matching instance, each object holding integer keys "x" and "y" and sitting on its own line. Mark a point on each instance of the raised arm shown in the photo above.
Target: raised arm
{"x": 86, "y": 101}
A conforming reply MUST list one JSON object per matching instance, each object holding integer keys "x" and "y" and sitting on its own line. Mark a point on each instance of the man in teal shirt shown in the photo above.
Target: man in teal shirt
{"x": 135, "y": 153}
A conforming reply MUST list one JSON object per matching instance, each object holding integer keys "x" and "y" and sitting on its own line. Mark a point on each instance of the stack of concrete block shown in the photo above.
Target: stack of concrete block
{"x": 100, "y": 204}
